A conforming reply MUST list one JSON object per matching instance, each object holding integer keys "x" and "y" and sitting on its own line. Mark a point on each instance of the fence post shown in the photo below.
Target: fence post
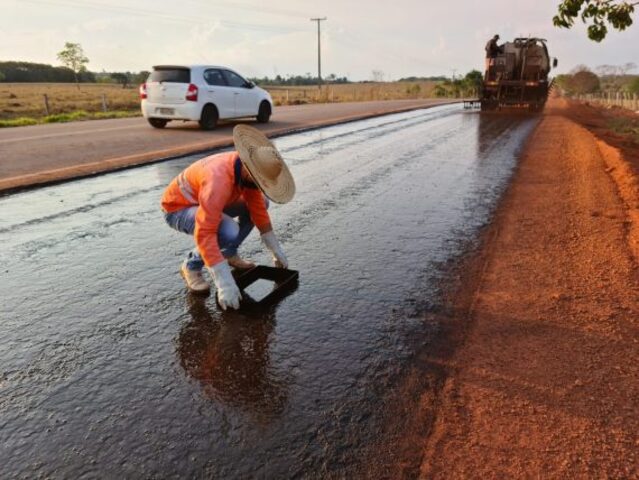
{"x": 104, "y": 103}
{"x": 46, "y": 105}
{"x": 287, "y": 96}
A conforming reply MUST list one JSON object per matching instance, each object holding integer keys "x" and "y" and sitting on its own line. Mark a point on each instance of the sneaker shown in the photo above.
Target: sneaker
{"x": 194, "y": 280}
{"x": 236, "y": 262}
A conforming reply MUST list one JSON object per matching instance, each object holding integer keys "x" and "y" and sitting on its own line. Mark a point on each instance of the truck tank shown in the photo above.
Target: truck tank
{"x": 518, "y": 76}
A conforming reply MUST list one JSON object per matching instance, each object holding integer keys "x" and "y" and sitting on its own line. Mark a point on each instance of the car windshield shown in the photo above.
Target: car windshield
{"x": 174, "y": 75}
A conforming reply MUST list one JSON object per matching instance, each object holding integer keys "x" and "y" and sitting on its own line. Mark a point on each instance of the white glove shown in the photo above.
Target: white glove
{"x": 228, "y": 295}
{"x": 271, "y": 242}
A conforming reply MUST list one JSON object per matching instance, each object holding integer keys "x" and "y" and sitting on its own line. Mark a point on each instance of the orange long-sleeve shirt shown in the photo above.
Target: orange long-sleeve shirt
{"x": 211, "y": 184}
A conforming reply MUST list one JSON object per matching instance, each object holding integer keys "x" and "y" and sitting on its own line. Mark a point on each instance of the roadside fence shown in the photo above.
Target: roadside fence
{"x": 47, "y": 107}
{"x": 355, "y": 92}
{"x": 290, "y": 96}
{"x": 612, "y": 99}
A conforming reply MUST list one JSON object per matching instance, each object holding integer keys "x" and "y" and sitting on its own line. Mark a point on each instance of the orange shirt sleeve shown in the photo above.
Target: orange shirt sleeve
{"x": 256, "y": 204}
{"x": 213, "y": 196}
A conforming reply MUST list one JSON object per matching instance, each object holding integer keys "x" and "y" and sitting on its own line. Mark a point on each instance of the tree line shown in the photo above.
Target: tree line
{"x": 468, "y": 85}
{"x": 28, "y": 72}
{"x": 19, "y": 72}
{"x": 604, "y": 78}
{"x": 298, "y": 80}
{"x": 437, "y": 78}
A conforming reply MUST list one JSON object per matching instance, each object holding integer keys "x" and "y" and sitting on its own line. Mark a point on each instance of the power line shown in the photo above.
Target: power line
{"x": 348, "y": 39}
{"x": 166, "y": 17}
{"x": 249, "y": 6}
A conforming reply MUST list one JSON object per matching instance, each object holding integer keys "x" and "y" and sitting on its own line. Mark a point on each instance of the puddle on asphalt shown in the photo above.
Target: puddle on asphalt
{"x": 110, "y": 368}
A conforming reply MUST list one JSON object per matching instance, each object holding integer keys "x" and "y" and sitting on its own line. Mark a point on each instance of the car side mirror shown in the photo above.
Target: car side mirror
{"x": 249, "y": 85}
{"x": 555, "y": 62}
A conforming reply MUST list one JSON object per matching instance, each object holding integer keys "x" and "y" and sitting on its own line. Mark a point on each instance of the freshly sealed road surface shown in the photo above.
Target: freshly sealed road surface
{"x": 110, "y": 368}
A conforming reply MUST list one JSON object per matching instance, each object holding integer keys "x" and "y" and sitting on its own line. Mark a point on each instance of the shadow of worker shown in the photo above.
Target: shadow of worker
{"x": 228, "y": 354}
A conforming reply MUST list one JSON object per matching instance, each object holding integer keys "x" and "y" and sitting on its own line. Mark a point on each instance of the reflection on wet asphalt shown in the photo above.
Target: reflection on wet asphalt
{"x": 110, "y": 368}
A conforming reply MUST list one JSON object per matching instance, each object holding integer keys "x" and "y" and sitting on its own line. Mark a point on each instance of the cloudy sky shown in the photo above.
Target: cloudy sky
{"x": 399, "y": 38}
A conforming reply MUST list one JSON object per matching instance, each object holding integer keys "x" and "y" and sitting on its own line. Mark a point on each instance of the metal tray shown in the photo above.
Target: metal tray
{"x": 284, "y": 281}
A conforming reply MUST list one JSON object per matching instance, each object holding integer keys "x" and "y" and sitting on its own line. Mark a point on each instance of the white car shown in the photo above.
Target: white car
{"x": 203, "y": 93}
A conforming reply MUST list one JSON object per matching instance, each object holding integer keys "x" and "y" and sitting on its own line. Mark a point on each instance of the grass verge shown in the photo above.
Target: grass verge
{"x": 625, "y": 126}
{"x": 67, "y": 117}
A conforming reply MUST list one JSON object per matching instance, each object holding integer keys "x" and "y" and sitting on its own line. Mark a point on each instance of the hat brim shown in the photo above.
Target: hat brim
{"x": 247, "y": 140}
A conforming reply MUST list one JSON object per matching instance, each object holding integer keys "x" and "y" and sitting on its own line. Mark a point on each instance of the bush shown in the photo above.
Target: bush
{"x": 413, "y": 90}
{"x": 66, "y": 117}
{"x": 584, "y": 81}
{"x": 633, "y": 86}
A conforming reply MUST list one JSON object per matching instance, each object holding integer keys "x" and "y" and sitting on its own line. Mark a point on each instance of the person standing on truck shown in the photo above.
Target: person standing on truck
{"x": 492, "y": 50}
{"x": 206, "y": 198}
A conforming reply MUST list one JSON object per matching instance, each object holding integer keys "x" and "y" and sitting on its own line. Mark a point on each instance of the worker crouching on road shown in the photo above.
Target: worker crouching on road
{"x": 206, "y": 198}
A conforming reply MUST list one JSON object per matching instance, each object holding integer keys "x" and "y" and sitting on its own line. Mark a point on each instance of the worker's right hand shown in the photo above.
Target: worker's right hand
{"x": 228, "y": 294}
{"x": 273, "y": 244}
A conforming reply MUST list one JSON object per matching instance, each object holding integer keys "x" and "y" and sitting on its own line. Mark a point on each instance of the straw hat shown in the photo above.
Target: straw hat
{"x": 264, "y": 163}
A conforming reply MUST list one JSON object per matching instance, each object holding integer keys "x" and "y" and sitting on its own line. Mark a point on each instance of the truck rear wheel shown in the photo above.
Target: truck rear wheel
{"x": 488, "y": 105}
{"x": 535, "y": 107}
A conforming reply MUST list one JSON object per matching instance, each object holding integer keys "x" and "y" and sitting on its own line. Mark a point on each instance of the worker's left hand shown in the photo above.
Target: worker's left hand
{"x": 271, "y": 242}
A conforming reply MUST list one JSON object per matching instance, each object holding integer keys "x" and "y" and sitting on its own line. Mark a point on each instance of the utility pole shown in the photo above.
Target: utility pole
{"x": 319, "y": 52}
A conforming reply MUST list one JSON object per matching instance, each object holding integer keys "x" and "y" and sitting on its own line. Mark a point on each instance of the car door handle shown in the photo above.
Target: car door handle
{"x": 210, "y": 90}
{"x": 236, "y": 93}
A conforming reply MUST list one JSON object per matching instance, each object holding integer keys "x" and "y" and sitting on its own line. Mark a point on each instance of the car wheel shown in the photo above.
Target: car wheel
{"x": 209, "y": 118}
{"x": 264, "y": 113}
{"x": 158, "y": 122}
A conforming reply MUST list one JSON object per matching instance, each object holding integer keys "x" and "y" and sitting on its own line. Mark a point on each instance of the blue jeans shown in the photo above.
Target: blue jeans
{"x": 230, "y": 233}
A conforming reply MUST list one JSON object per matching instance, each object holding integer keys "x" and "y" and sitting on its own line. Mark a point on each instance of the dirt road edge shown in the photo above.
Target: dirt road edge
{"x": 627, "y": 184}
{"x": 554, "y": 328}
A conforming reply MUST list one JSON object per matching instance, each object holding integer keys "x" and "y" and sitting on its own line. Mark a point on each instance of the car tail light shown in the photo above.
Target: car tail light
{"x": 191, "y": 93}
{"x": 143, "y": 91}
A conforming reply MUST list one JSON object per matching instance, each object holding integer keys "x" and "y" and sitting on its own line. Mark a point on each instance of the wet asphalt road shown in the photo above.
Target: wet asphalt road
{"x": 110, "y": 369}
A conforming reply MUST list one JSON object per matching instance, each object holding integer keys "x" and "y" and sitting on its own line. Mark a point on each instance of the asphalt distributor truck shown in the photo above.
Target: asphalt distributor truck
{"x": 517, "y": 75}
